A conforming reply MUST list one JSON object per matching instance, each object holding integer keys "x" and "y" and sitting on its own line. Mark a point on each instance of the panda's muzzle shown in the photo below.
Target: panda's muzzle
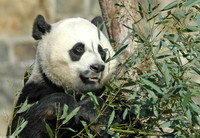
{"x": 94, "y": 75}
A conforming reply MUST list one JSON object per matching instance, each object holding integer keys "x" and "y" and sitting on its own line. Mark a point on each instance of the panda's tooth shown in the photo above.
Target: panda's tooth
{"x": 94, "y": 79}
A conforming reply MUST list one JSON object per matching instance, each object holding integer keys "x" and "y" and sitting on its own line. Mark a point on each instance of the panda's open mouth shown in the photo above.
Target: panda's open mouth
{"x": 91, "y": 80}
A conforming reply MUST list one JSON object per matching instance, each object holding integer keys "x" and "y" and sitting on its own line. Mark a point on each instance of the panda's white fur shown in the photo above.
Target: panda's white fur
{"x": 53, "y": 57}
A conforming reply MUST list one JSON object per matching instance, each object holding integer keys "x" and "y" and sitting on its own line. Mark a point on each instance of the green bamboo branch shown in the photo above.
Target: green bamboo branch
{"x": 140, "y": 132}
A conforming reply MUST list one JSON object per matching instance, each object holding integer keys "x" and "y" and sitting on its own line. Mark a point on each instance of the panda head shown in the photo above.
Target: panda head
{"x": 72, "y": 54}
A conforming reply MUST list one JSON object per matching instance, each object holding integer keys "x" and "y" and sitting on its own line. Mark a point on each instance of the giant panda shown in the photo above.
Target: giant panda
{"x": 70, "y": 61}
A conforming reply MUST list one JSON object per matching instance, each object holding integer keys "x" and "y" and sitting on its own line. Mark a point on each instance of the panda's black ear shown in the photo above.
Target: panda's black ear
{"x": 98, "y": 22}
{"x": 40, "y": 27}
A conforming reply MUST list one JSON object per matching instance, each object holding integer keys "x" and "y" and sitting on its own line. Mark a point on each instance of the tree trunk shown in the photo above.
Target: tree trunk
{"x": 118, "y": 14}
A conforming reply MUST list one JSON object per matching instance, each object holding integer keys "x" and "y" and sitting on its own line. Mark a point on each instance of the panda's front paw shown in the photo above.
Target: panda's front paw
{"x": 94, "y": 116}
{"x": 87, "y": 111}
{"x": 92, "y": 113}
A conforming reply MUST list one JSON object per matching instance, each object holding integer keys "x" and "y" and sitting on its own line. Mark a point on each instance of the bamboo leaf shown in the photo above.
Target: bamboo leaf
{"x": 149, "y": 19}
{"x": 186, "y": 99}
{"x": 149, "y": 3}
{"x": 65, "y": 109}
{"x": 155, "y": 7}
{"x": 172, "y": 37}
{"x": 198, "y": 20}
{"x": 170, "y": 6}
{"x": 111, "y": 118}
{"x": 125, "y": 113}
{"x": 196, "y": 70}
{"x": 72, "y": 114}
{"x": 27, "y": 74}
{"x": 152, "y": 85}
{"x": 20, "y": 128}
{"x": 86, "y": 129}
{"x": 191, "y": 29}
{"x": 159, "y": 16}
{"x": 155, "y": 111}
{"x": 151, "y": 93}
{"x": 140, "y": 10}
{"x": 49, "y": 130}
{"x": 195, "y": 108}
{"x": 24, "y": 107}
{"x": 93, "y": 98}
{"x": 119, "y": 52}
{"x": 189, "y": 115}
{"x": 128, "y": 84}
{"x": 166, "y": 73}
{"x": 166, "y": 124}
{"x": 85, "y": 125}
{"x": 191, "y": 3}
{"x": 123, "y": 41}
{"x": 157, "y": 49}
{"x": 119, "y": 5}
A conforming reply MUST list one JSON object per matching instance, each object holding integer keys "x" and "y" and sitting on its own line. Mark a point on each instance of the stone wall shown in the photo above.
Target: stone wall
{"x": 17, "y": 47}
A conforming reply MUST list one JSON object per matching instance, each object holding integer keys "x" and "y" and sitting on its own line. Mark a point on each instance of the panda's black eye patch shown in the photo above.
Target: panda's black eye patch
{"x": 77, "y": 51}
{"x": 102, "y": 52}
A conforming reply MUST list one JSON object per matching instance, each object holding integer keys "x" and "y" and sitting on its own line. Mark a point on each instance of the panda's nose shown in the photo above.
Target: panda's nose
{"x": 97, "y": 68}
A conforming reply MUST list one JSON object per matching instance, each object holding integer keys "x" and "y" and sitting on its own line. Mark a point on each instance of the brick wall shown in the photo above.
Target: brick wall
{"x": 17, "y": 47}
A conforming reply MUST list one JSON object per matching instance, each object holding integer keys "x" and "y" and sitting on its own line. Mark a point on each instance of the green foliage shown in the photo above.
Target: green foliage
{"x": 22, "y": 108}
{"x": 111, "y": 118}
{"x": 61, "y": 120}
{"x": 22, "y": 123}
{"x": 93, "y": 99}
{"x": 49, "y": 130}
{"x": 20, "y": 128}
{"x": 157, "y": 76}
{"x": 25, "y": 107}
{"x": 72, "y": 114}
{"x": 86, "y": 129}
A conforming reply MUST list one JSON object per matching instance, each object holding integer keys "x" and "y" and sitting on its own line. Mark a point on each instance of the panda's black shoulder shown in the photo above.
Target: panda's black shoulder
{"x": 33, "y": 92}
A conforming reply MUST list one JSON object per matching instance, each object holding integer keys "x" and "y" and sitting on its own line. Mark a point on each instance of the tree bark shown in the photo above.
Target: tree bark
{"x": 118, "y": 14}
